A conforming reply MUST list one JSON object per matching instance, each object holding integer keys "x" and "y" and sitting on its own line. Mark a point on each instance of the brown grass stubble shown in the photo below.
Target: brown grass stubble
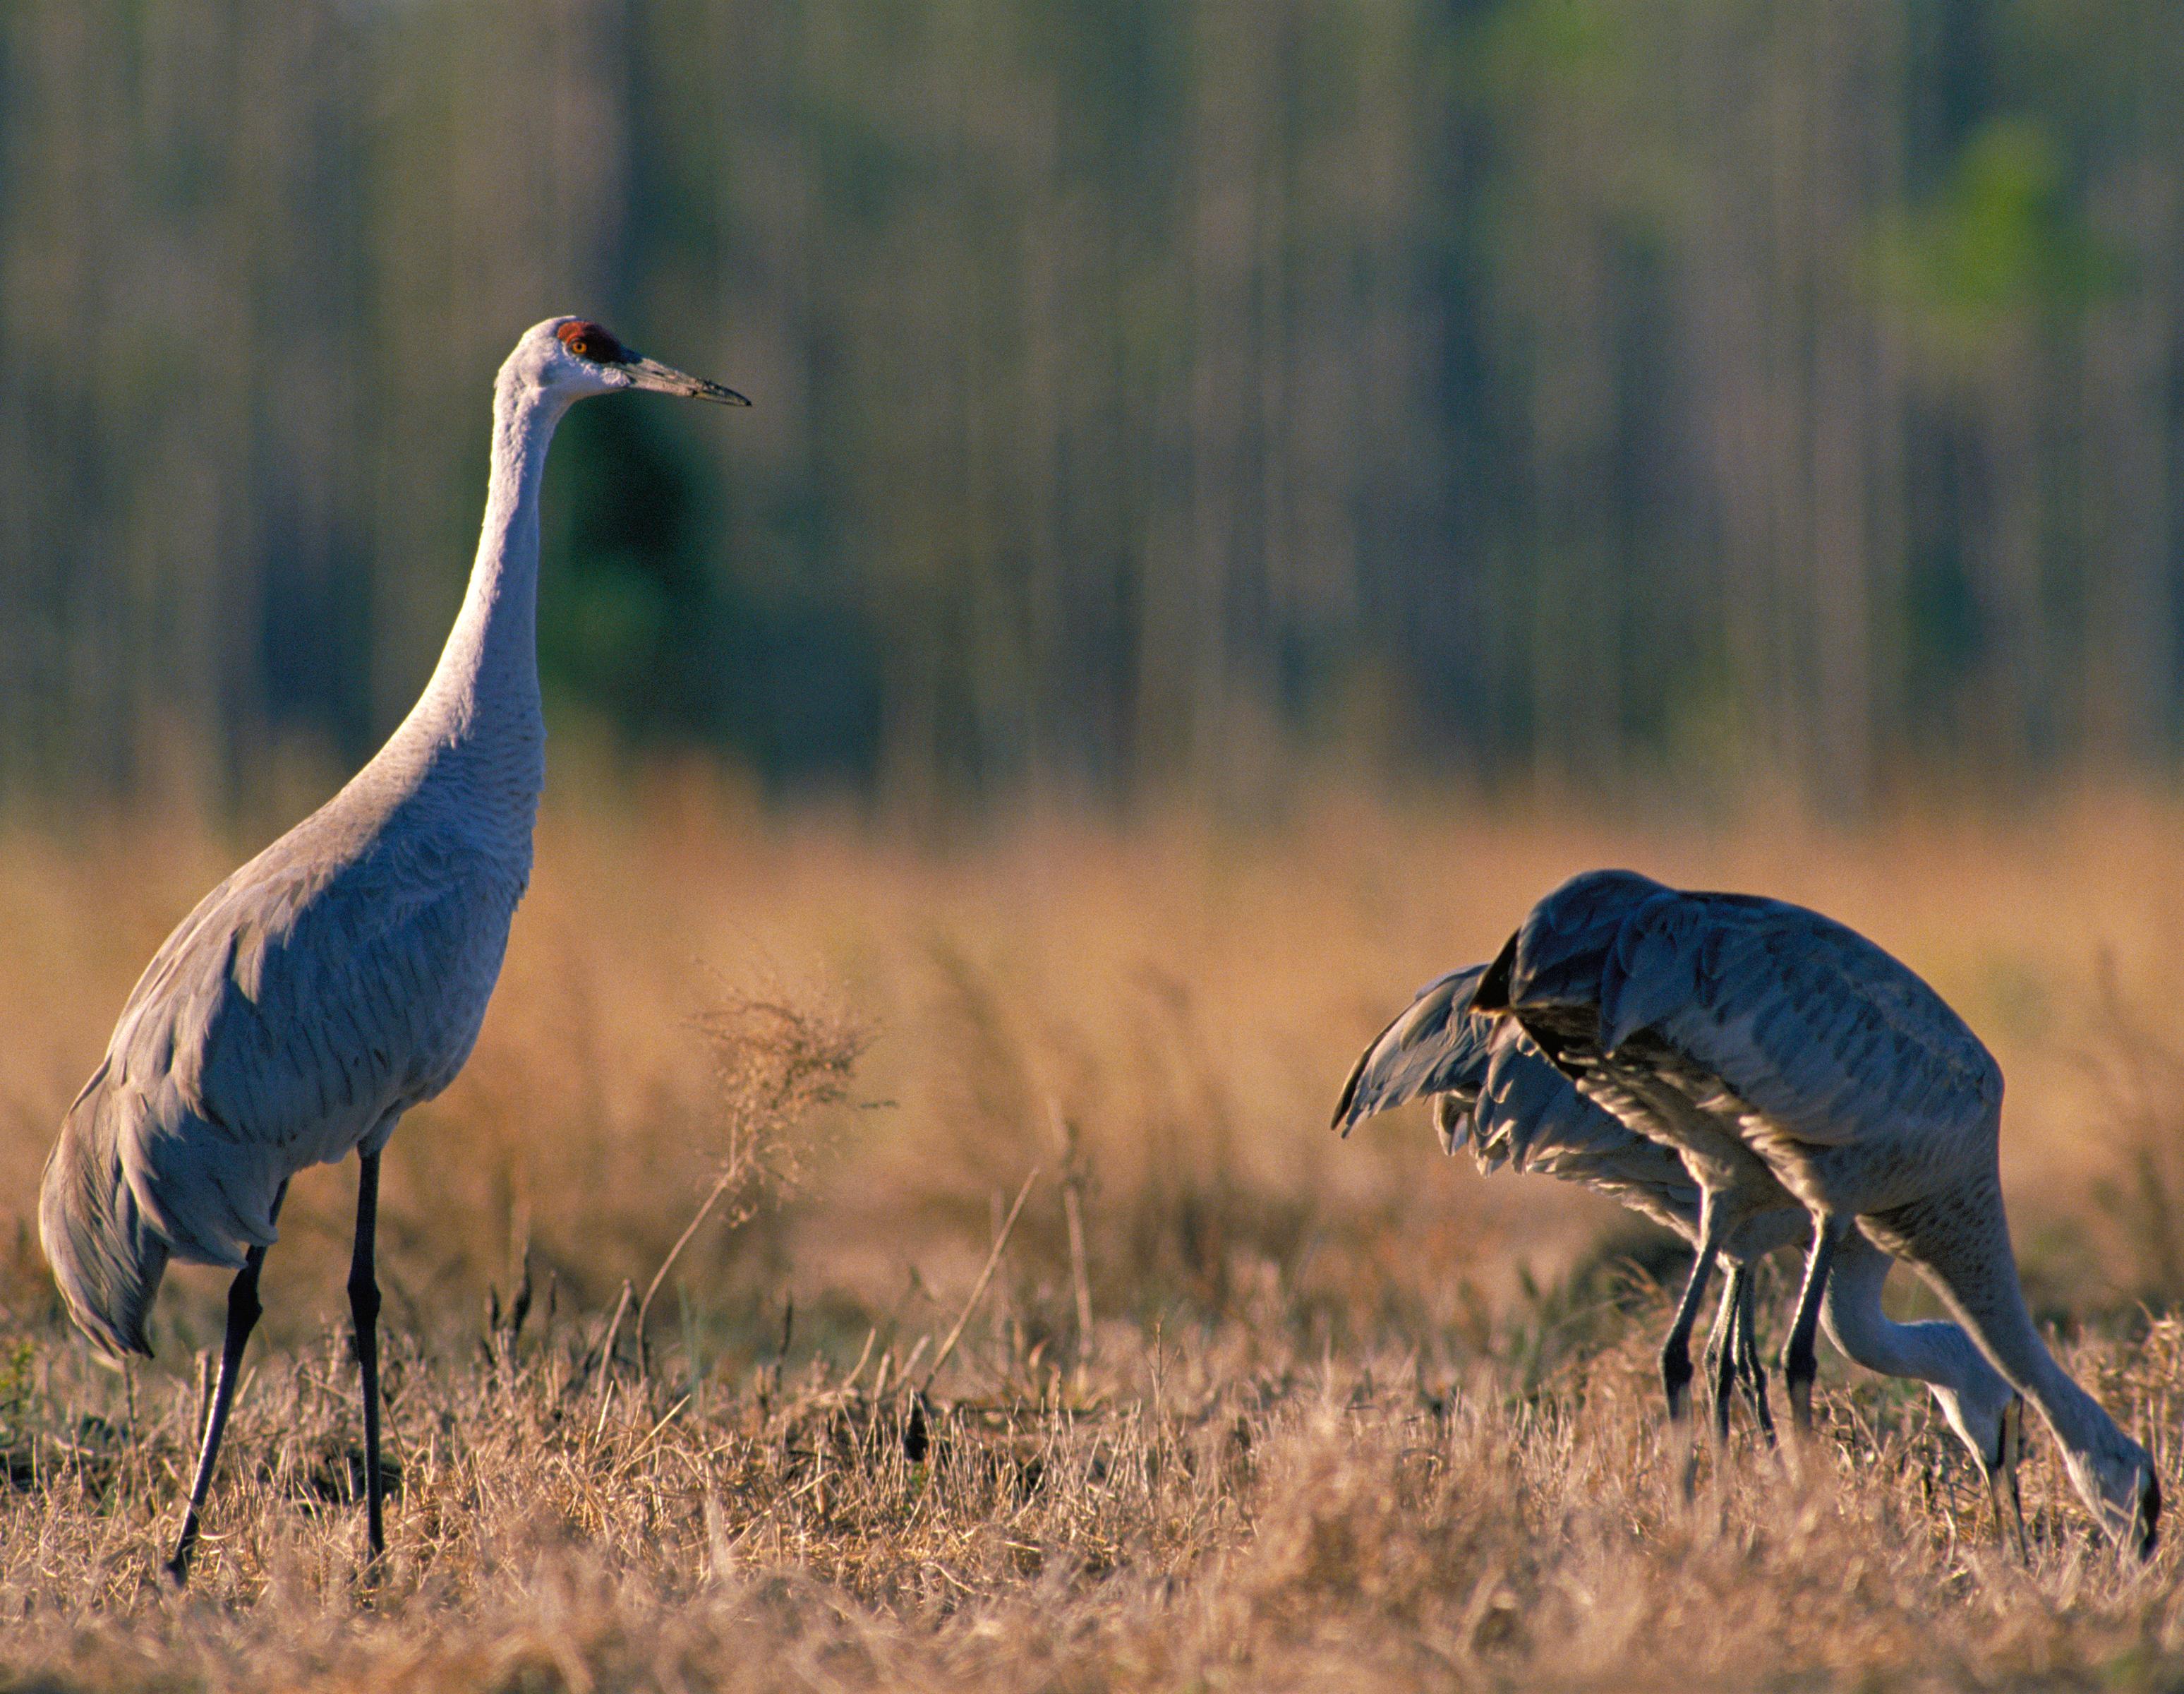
{"x": 1348, "y": 1414}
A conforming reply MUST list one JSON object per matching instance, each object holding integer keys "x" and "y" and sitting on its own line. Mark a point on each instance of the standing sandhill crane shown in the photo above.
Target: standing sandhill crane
{"x": 1763, "y": 1022}
{"x": 1491, "y": 1087}
{"x": 339, "y": 977}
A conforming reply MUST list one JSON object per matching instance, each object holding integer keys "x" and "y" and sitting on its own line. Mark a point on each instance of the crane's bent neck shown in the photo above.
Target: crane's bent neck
{"x": 480, "y": 714}
{"x": 1941, "y": 1355}
{"x": 1933, "y": 1352}
{"x": 2003, "y": 1324}
{"x": 1974, "y": 1270}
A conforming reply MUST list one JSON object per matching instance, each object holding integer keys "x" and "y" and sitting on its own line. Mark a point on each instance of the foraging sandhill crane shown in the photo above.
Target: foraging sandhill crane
{"x": 1492, "y": 1088}
{"x": 340, "y": 978}
{"x": 1752, "y": 1021}
{"x": 1511, "y": 1105}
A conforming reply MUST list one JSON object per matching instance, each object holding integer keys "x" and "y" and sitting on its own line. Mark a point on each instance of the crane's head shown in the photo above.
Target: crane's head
{"x": 575, "y": 358}
{"x": 2115, "y": 1478}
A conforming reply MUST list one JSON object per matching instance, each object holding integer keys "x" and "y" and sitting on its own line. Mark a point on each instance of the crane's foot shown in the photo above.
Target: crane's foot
{"x": 177, "y": 1568}
{"x": 1755, "y": 1390}
{"x": 1799, "y": 1367}
{"x": 1675, "y": 1379}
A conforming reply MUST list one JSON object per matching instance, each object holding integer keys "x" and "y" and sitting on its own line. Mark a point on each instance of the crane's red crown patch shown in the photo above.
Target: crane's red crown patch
{"x": 594, "y": 341}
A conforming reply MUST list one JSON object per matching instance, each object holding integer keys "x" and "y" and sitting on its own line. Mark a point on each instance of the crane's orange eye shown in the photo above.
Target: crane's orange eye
{"x": 591, "y": 341}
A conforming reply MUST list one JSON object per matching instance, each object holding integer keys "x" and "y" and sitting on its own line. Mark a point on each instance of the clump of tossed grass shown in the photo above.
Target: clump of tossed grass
{"x": 777, "y": 1063}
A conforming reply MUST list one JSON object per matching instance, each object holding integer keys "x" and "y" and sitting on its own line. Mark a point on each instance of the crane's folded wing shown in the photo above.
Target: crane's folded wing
{"x": 297, "y": 1012}
{"x": 1815, "y": 1028}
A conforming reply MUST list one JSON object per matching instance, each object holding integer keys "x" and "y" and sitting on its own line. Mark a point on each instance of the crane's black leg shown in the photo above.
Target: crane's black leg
{"x": 1749, "y": 1366}
{"x": 1800, "y": 1364}
{"x": 1676, "y": 1350}
{"x": 1718, "y": 1337}
{"x": 364, "y": 1308}
{"x": 242, "y": 1313}
{"x": 1722, "y": 1351}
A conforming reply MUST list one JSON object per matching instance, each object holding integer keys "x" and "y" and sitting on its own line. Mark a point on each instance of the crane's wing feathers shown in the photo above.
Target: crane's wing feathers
{"x": 1490, "y": 1086}
{"x": 1529, "y": 1111}
{"x": 301, "y": 1006}
{"x": 1795, "y": 1023}
{"x": 1820, "y": 1031}
{"x": 1532, "y": 1115}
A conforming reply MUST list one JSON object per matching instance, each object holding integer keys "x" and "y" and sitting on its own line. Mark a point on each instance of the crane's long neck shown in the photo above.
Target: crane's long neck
{"x": 1982, "y": 1286}
{"x": 1964, "y": 1251}
{"x": 478, "y": 720}
{"x": 487, "y": 676}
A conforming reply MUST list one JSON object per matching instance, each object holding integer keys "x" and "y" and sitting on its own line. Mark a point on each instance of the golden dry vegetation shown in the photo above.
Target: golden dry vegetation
{"x": 1345, "y": 1415}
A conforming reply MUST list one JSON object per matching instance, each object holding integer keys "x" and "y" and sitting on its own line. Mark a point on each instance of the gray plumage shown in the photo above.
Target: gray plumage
{"x": 1755, "y": 1021}
{"x": 1492, "y": 1089}
{"x": 341, "y": 976}
{"x": 1496, "y": 1095}
{"x": 335, "y": 981}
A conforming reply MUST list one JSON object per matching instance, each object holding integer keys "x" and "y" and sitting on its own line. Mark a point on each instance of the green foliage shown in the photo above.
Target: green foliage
{"x": 2003, "y": 242}
{"x": 19, "y": 1385}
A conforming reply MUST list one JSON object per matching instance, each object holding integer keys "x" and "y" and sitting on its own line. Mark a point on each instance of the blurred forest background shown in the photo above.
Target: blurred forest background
{"x": 1153, "y": 395}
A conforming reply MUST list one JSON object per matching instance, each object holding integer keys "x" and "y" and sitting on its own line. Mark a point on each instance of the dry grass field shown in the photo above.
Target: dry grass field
{"x": 1344, "y": 1415}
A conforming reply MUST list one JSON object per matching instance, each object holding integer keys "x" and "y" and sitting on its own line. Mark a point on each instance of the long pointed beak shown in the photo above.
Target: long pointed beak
{"x": 665, "y": 379}
{"x": 2001, "y": 1486}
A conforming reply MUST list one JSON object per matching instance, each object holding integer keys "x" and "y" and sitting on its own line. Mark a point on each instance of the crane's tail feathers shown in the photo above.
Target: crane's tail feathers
{"x": 1345, "y": 1117}
{"x": 107, "y": 1256}
{"x": 1431, "y": 1048}
{"x": 1491, "y": 996}
{"x": 1454, "y": 1121}
{"x": 125, "y": 1191}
